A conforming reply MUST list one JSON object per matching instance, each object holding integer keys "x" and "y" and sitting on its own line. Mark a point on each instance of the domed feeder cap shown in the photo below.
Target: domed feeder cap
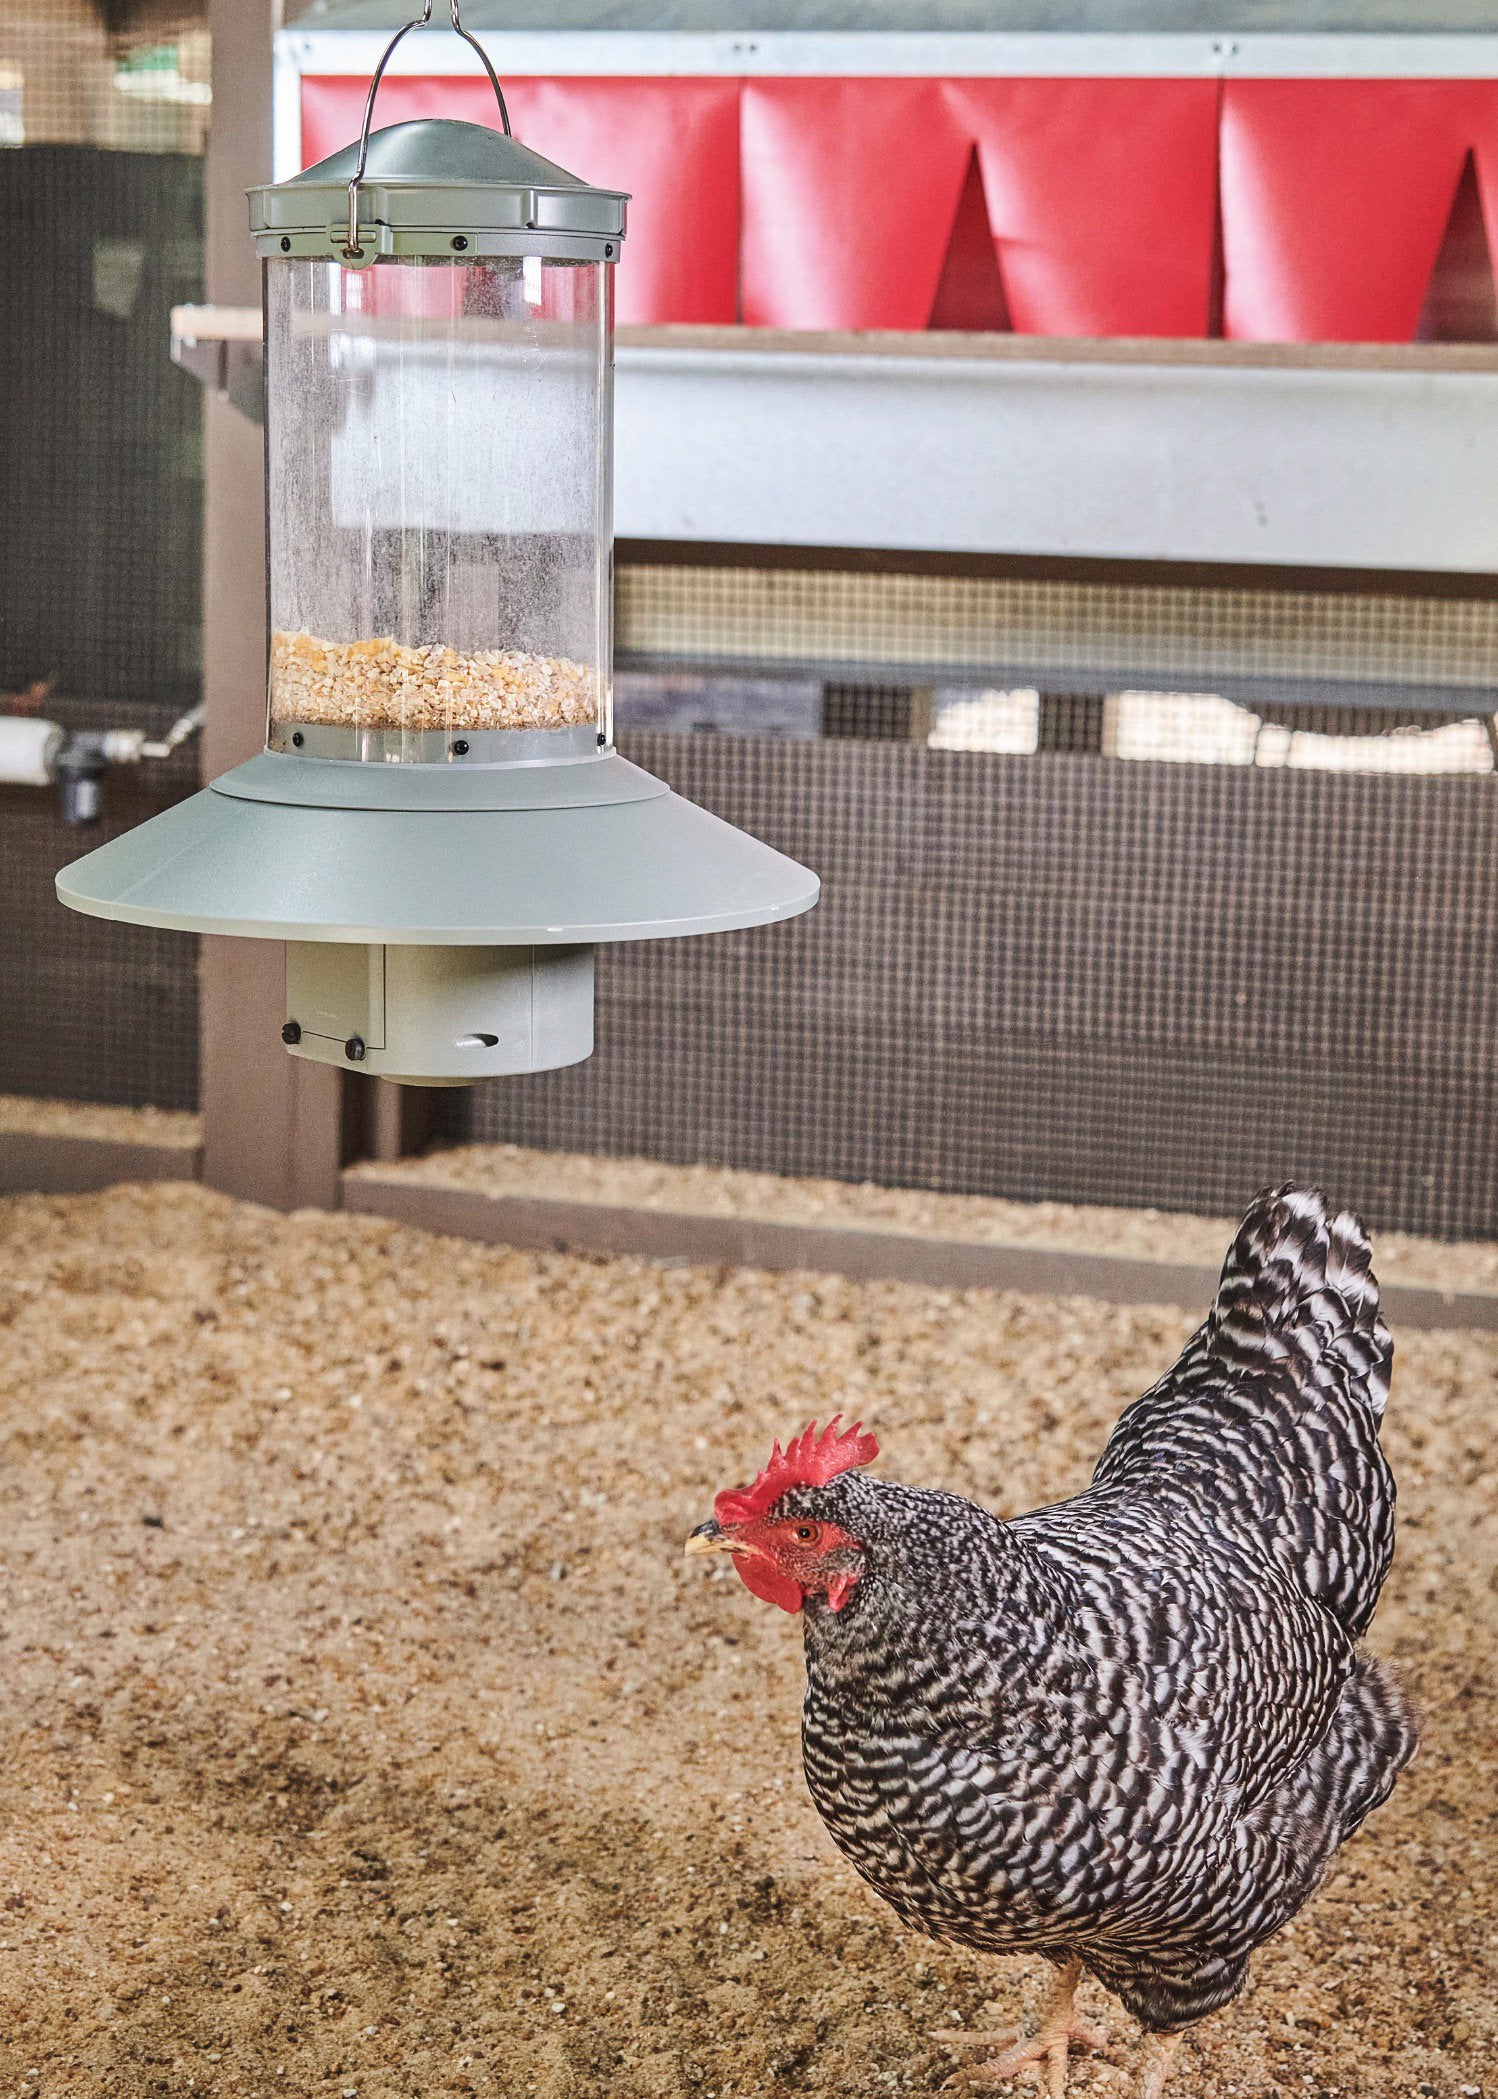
{"x": 439, "y": 187}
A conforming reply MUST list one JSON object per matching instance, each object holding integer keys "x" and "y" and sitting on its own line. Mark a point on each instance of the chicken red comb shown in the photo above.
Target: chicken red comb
{"x": 808, "y": 1460}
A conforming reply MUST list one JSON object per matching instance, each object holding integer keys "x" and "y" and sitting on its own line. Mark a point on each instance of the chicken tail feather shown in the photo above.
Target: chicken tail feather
{"x": 1299, "y": 1275}
{"x": 1271, "y": 1415}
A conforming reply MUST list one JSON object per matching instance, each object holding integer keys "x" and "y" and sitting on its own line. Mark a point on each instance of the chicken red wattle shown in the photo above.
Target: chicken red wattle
{"x": 1128, "y": 1732}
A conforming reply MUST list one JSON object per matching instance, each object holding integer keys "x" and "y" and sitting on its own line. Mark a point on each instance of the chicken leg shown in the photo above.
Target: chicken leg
{"x": 1060, "y": 2031}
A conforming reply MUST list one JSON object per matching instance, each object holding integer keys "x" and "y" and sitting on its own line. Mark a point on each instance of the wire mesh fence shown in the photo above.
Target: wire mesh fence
{"x": 68, "y": 77}
{"x": 92, "y": 1011}
{"x": 100, "y": 589}
{"x": 1380, "y": 656}
{"x": 1121, "y": 945}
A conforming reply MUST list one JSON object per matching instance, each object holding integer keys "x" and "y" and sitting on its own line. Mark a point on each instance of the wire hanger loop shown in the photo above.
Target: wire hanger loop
{"x": 352, "y": 250}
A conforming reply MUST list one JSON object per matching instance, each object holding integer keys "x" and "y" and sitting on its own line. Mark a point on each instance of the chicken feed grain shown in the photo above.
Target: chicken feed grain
{"x": 382, "y": 684}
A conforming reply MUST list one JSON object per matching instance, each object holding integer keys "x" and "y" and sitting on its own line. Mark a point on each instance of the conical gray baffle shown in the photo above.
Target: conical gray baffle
{"x": 288, "y": 848}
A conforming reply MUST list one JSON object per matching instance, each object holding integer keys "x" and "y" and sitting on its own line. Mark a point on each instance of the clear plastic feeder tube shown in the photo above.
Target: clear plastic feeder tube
{"x": 439, "y": 440}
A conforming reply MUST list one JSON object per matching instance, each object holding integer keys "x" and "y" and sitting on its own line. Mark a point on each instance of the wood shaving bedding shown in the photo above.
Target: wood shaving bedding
{"x": 365, "y": 1731}
{"x": 1155, "y": 1235}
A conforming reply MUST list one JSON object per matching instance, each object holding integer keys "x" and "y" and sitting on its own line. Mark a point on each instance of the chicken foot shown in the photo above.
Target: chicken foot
{"x": 1060, "y": 2031}
{"x": 1159, "y": 2053}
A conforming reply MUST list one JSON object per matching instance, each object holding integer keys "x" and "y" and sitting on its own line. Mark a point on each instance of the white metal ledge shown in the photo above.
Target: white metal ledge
{"x": 1318, "y": 456}
{"x": 1209, "y": 452}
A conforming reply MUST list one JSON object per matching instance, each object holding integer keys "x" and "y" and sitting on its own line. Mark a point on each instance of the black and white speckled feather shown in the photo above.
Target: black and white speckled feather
{"x": 1134, "y": 1727}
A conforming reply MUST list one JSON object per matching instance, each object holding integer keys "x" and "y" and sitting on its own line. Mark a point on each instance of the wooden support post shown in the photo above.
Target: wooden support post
{"x": 272, "y": 1124}
{"x": 403, "y": 1122}
{"x": 384, "y": 1121}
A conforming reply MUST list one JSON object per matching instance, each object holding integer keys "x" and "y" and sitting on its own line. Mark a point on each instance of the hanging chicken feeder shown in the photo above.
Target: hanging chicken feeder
{"x": 439, "y": 825}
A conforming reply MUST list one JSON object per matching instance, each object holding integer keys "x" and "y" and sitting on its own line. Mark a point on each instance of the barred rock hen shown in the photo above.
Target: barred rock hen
{"x": 1127, "y": 1732}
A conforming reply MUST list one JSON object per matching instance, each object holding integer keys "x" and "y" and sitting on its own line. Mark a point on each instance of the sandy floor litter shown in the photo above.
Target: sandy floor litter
{"x": 365, "y": 1733}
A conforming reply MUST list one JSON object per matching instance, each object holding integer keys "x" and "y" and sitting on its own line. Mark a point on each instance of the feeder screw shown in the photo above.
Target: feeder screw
{"x": 297, "y": 738}
{"x": 291, "y": 1033}
{"x": 460, "y": 748}
{"x": 353, "y": 1049}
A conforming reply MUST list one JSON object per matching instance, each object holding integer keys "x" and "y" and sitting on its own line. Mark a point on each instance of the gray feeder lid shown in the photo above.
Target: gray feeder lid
{"x": 518, "y": 855}
{"x": 430, "y": 183}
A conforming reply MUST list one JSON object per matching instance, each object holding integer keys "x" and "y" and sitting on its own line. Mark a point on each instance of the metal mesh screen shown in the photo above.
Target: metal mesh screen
{"x": 133, "y": 78}
{"x": 100, "y": 590}
{"x": 1392, "y": 653}
{"x": 93, "y": 1011}
{"x": 1116, "y": 946}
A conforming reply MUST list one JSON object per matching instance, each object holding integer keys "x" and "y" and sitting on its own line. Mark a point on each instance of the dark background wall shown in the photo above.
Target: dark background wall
{"x": 100, "y": 589}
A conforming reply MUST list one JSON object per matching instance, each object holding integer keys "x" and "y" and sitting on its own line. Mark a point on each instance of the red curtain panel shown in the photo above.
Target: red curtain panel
{"x": 852, "y": 204}
{"x": 1102, "y": 199}
{"x": 850, "y": 192}
{"x": 673, "y": 144}
{"x": 1335, "y": 196}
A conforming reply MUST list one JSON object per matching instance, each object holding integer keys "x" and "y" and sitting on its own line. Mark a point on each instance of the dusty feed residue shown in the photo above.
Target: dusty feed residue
{"x": 365, "y": 1732}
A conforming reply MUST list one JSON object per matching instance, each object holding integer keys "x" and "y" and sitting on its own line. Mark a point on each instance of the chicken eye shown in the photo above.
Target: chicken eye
{"x": 807, "y": 1533}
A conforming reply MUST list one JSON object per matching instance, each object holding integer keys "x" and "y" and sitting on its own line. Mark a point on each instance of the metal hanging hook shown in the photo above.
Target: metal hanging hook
{"x": 352, "y": 249}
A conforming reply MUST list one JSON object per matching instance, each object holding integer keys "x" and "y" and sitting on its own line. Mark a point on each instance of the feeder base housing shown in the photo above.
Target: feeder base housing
{"x": 439, "y": 1016}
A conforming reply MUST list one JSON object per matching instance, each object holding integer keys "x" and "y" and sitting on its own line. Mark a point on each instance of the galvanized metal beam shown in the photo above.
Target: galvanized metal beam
{"x": 1006, "y": 447}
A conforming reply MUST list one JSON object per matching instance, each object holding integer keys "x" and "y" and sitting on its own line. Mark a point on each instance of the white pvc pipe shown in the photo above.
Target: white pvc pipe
{"x": 27, "y": 751}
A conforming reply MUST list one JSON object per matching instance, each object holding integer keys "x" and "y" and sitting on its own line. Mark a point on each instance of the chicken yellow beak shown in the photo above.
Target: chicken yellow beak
{"x": 710, "y": 1537}
{"x": 755, "y": 1567}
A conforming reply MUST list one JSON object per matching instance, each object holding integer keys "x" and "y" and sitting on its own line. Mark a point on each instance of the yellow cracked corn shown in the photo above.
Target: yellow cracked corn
{"x": 382, "y": 684}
